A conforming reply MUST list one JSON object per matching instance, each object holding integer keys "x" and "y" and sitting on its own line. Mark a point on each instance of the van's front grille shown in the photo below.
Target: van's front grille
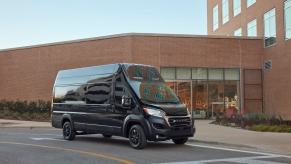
{"x": 179, "y": 121}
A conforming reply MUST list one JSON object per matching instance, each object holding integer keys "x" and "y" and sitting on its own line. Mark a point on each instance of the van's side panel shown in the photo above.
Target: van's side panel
{"x": 84, "y": 94}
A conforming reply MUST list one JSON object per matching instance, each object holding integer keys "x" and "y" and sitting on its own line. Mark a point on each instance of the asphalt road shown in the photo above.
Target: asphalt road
{"x": 46, "y": 146}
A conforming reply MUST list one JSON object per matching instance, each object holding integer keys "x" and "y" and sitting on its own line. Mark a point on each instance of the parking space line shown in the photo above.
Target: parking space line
{"x": 249, "y": 160}
{"x": 50, "y": 139}
{"x": 238, "y": 150}
{"x": 95, "y": 154}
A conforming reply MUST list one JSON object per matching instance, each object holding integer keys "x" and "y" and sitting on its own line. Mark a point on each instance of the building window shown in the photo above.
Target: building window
{"x": 168, "y": 73}
{"x": 236, "y": 7}
{"x": 215, "y": 74}
{"x": 238, "y": 32}
{"x": 270, "y": 27}
{"x": 215, "y": 18}
{"x": 183, "y": 73}
{"x": 210, "y": 92}
{"x": 288, "y": 19}
{"x": 199, "y": 73}
{"x": 252, "y": 28}
{"x": 250, "y": 2}
{"x": 225, "y": 11}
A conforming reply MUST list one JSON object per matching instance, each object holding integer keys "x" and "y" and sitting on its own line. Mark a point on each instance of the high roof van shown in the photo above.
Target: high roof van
{"x": 128, "y": 100}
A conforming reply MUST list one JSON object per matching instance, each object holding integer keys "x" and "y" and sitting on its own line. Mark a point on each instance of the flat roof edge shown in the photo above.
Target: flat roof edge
{"x": 129, "y": 34}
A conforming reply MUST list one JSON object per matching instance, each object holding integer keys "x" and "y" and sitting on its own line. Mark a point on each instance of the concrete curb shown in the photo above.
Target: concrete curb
{"x": 4, "y": 123}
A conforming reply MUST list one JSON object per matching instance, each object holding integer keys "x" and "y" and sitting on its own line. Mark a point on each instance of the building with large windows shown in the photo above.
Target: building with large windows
{"x": 242, "y": 65}
{"x": 209, "y": 74}
{"x": 271, "y": 21}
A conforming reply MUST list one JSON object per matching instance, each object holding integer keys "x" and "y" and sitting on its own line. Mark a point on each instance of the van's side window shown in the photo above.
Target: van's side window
{"x": 70, "y": 94}
{"x": 98, "y": 93}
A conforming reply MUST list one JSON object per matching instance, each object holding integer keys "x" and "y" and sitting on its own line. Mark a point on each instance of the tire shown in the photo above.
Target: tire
{"x": 137, "y": 138}
{"x": 68, "y": 131}
{"x": 180, "y": 141}
{"x": 107, "y": 135}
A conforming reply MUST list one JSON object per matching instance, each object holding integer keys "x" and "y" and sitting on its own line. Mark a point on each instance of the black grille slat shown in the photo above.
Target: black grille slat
{"x": 179, "y": 121}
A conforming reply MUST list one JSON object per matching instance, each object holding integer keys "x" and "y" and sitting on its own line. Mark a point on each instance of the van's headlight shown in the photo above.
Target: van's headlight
{"x": 155, "y": 112}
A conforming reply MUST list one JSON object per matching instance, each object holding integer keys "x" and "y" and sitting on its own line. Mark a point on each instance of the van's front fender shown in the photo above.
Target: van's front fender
{"x": 133, "y": 120}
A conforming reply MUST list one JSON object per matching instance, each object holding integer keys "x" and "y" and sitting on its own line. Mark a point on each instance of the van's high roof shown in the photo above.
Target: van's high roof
{"x": 93, "y": 70}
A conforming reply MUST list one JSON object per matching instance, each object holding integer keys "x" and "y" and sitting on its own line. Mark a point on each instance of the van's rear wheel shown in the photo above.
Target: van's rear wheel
{"x": 137, "y": 138}
{"x": 68, "y": 131}
{"x": 180, "y": 141}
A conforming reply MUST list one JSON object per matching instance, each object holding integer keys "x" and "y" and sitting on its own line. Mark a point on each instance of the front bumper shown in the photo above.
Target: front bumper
{"x": 160, "y": 130}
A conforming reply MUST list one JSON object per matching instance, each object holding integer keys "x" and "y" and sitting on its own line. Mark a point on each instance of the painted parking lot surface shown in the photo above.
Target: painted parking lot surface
{"x": 45, "y": 145}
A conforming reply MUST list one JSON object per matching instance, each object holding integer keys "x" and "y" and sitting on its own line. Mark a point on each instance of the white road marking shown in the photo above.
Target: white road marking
{"x": 50, "y": 139}
{"x": 237, "y": 150}
{"x": 250, "y": 160}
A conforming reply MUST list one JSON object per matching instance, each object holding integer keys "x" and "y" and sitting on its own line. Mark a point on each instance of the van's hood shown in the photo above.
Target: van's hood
{"x": 172, "y": 109}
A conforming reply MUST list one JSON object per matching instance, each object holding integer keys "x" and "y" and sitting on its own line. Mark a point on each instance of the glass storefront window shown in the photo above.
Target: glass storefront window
{"x": 168, "y": 73}
{"x": 231, "y": 74}
{"x": 172, "y": 85}
{"x": 200, "y": 98}
{"x": 215, "y": 96}
{"x": 184, "y": 93}
{"x": 210, "y": 92}
{"x": 183, "y": 73}
{"x": 231, "y": 95}
{"x": 215, "y": 74}
{"x": 199, "y": 73}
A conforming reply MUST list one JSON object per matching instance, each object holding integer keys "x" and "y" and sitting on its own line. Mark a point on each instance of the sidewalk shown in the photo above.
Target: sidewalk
{"x": 23, "y": 124}
{"x": 262, "y": 141}
{"x": 210, "y": 134}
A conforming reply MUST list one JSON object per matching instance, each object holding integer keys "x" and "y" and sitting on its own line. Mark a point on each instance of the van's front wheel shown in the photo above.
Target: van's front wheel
{"x": 180, "y": 141}
{"x": 68, "y": 131}
{"x": 137, "y": 138}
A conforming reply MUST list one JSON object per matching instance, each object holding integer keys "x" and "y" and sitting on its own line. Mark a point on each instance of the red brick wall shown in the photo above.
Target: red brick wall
{"x": 277, "y": 82}
{"x": 28, "y": 74}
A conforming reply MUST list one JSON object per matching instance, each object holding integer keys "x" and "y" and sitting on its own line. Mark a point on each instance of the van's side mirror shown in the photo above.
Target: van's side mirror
{"x": 126, "y": 101}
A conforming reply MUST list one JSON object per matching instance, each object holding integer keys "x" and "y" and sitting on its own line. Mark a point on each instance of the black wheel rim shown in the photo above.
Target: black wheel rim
{"x": 134, "y": 137}
{"x": 67, "y": 130}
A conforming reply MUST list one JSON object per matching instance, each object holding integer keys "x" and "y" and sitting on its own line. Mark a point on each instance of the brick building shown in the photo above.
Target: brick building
{"x": 208, "y": 73}
{"x": 243, "y": 63}
{"x": 267, "y": 19}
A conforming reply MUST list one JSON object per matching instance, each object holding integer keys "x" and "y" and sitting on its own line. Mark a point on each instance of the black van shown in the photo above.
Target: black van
{"x": 129, "y": 100}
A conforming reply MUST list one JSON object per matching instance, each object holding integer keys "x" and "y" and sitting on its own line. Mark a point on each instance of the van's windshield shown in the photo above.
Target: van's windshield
{"x": 149, "y": 85}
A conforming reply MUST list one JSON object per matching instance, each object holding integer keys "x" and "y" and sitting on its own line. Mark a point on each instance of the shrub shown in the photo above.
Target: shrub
{"x": 250, "y": 119}
{"x": 34, "y": 110}
{"x": 271, "y": 128}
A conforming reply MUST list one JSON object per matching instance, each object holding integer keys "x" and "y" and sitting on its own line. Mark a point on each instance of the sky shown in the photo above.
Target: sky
{"x": 32, "y": 22}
